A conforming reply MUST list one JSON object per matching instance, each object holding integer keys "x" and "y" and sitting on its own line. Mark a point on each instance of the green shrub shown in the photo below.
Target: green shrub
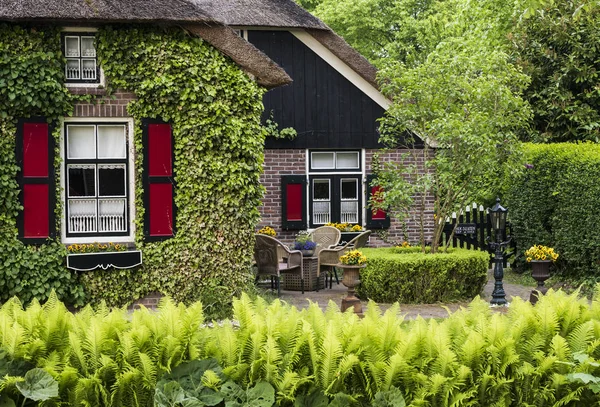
{"x": 554, "y": 202}
{"x": 540, "y": 355}
{"x": 408, "y": 276}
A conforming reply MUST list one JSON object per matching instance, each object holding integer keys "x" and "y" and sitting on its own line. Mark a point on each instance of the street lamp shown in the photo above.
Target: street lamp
{"x": 498, "y": 220}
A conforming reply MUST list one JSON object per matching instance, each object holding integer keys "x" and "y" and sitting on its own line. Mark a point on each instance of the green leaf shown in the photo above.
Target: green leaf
{"x": 38, "y": 385}
{"x": 6, "y": 401}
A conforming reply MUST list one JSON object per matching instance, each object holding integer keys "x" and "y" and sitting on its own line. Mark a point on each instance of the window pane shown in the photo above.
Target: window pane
{"x": 349, "y": 189}
{"x": 87, "y": 47}
{"x": 111, "y": 180}
{"x": 111, "y": 141}
{"x": 88, "y": 71}
{"x": 81, "y": 142}
{"x": 82, "y": 215}
{"x": 82, "y": 180}
{"x": 347, "y": 160}
{"x": 321, "y": 189}
{"x": 72, "y": 46}
{"x": 321, "y": 212}
{"x": 72, "y": 69}
{"x": 111, "y": 214}
{"x": 349, "y": 211}
{"x": 322, "y": 160}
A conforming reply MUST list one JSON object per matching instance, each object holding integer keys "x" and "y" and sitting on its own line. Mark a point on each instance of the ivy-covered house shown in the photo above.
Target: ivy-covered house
{"x": 134, "y": 124}
{"x": 324, "y": 173}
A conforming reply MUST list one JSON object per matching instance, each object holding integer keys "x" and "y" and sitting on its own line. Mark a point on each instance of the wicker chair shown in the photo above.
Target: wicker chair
{"x": 267, "y": 258}
{"x": 328, "y": 258}
{"x": 325, "y": 237}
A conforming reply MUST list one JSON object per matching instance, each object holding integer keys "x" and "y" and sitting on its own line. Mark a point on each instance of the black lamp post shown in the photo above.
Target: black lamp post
{"x": 498, "y": 219}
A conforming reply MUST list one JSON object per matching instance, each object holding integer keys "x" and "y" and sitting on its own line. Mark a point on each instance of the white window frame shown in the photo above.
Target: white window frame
{"x": 130, "y": 192}
{"x": 82, "y": 31}
{"x": 359, "y": 173}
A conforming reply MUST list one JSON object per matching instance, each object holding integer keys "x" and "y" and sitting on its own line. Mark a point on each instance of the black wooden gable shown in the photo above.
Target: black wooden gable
{"x": 324, "y": 107}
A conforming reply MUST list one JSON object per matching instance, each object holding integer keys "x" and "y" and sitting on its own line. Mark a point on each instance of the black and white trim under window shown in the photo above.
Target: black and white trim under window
{"x": 335, "y": 189}
{"x": 80, "y": 51}
{"x": 96, "y": 168}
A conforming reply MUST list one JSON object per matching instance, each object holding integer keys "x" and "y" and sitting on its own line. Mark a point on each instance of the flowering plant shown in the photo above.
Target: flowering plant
{"x": 267, "y": 230}
{"x": 96, "y": 248}
{"x": 353, "y": 258}
{"x": 304, "y": 241}
{"x": 539, "y": 252}
{"x": 404, "y": 244}
{"x": 346, "y": 227}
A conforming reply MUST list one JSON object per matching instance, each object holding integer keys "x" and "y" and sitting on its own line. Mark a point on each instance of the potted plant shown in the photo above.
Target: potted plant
{"x": 351, "y": 262}
{"x": 540, "y": 257}
{"x": 90, "y": 256}
{"x": 267, "y": 230}
{"x": 349, "y": 230}
{"x": 305, "y": 244}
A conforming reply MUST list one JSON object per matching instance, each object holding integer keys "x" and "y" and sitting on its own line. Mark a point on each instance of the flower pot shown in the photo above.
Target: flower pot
{"x": 104, "y": 260}
{"x": 540, "y": 271}
{"x": 347, "y": 236}
{"x": 307, "y": 253}
{"x": 351, "y": 279}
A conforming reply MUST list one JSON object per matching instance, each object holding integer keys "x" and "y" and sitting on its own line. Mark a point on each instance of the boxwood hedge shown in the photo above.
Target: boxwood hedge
{"x": 409, "y": 276}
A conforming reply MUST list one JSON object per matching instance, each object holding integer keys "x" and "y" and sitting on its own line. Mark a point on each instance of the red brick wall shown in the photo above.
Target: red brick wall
{"x": 102, "y": 106}
{"x": 293, "y": 162}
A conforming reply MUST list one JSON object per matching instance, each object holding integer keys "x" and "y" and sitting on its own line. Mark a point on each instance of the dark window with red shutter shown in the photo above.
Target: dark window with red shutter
{"x": 35, "y": 157}
{"x": 293, "y": 200}
{"x": 379, "y": 219}
{"x": 159, "y": 222}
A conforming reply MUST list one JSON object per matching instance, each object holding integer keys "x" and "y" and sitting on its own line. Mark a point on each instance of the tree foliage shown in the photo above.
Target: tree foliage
{"x": 557, "y": 46}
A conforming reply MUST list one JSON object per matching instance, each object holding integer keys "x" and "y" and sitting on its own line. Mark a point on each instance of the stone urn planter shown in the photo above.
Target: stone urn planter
{"x": 540, "y": 271}
{"x": 351, "y": 280}
{"x": 307, "y": 253}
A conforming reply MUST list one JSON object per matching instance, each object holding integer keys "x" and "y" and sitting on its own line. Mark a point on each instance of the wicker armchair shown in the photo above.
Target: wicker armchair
{"x": 325, "y": 237}
{"x": 328, "y": 258}
{"x": 267, "y": 258}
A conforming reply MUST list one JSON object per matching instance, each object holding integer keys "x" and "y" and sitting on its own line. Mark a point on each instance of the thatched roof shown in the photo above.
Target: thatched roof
{"x": 261, "y": 13}
{"x": 208, "y": 14}
{"x": 103, "y": 11}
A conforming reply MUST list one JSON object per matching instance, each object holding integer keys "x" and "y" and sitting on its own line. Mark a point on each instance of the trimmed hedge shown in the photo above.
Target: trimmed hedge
{"x": 555, "y": 202}
{"x": 408, "y": 276}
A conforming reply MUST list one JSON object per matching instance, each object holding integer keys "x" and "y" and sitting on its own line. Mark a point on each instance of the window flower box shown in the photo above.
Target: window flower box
{"x": 104, "y": 260}
{"x": 347, "y": 236}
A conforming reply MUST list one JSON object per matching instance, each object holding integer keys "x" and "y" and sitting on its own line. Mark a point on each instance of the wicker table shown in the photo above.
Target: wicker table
{"x": 309, "y": 266}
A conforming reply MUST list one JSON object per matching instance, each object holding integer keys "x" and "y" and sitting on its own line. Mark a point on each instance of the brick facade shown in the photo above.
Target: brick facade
{"x": 102, "y": 105}
{"x": 293, "y": 162}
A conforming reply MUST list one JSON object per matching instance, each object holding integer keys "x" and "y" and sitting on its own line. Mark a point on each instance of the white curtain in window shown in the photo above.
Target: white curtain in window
{"x": 322, "y": 160}
{"x": 112, "y": 215}
{"x": 111, "y": 142}
{"x": 81, "y": 142}
{"x": 347, "y": 160}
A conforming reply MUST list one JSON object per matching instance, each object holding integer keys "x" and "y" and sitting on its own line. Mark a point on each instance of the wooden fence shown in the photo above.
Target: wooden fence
{"x": 473, "y": 227}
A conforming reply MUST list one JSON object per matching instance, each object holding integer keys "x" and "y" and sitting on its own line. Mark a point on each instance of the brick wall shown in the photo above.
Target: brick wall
{"x": 293, "y": 162}
{"x": 102, "y": 105}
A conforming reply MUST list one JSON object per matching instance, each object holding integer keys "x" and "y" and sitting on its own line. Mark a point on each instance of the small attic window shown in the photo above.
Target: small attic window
{"x": 82, "y": 65}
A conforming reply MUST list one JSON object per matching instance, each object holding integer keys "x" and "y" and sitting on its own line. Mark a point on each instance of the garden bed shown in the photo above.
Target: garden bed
{"x": 409, "y": 276}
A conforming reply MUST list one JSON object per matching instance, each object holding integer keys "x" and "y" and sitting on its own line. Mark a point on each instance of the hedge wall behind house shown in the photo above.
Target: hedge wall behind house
{"x": 555, "y": 201}
{"x": 393, "y": 275}
{"x": 214, "y": 109}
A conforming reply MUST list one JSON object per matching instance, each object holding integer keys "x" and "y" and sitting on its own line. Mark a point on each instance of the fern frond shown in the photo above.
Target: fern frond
{"x": 581, "y": 336}
{"x": 330, "y": 353}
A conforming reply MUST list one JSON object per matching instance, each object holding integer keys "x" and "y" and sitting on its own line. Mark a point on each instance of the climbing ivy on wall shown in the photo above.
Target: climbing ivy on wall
{"x": 214, "y": 110}
{"x": 31, "y": 84}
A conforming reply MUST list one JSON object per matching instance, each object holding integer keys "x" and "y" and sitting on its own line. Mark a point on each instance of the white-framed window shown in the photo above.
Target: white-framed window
{"x": 79, "y": 49}
{"x": 97, "y": 180}
{"x": 335, "y": 187}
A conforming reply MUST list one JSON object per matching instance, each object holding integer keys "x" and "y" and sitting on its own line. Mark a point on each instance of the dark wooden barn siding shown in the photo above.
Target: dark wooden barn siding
{"x": 325, "y": 108}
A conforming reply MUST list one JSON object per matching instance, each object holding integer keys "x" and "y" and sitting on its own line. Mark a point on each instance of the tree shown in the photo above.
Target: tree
{"x": 557, "y": 46}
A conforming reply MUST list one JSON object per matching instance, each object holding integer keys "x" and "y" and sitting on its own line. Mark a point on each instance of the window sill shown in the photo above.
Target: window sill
{"x": 104, "y": 260}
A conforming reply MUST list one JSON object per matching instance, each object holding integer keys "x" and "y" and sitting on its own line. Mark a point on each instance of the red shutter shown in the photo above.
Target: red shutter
{"x": 35, "y": 155}
{"x": 293, "y": 201}
{"x": 158, "y": 176}
{"x": 379, "y": 219}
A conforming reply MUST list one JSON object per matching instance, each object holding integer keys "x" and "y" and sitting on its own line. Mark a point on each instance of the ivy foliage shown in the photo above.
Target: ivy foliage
{"x": 554, "y": 202}
{"x": 31, "y": 84}
{"x": 214, "y": 110}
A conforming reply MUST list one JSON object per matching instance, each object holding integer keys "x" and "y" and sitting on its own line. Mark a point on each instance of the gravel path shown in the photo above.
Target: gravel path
{"x": 410, "y": 311}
